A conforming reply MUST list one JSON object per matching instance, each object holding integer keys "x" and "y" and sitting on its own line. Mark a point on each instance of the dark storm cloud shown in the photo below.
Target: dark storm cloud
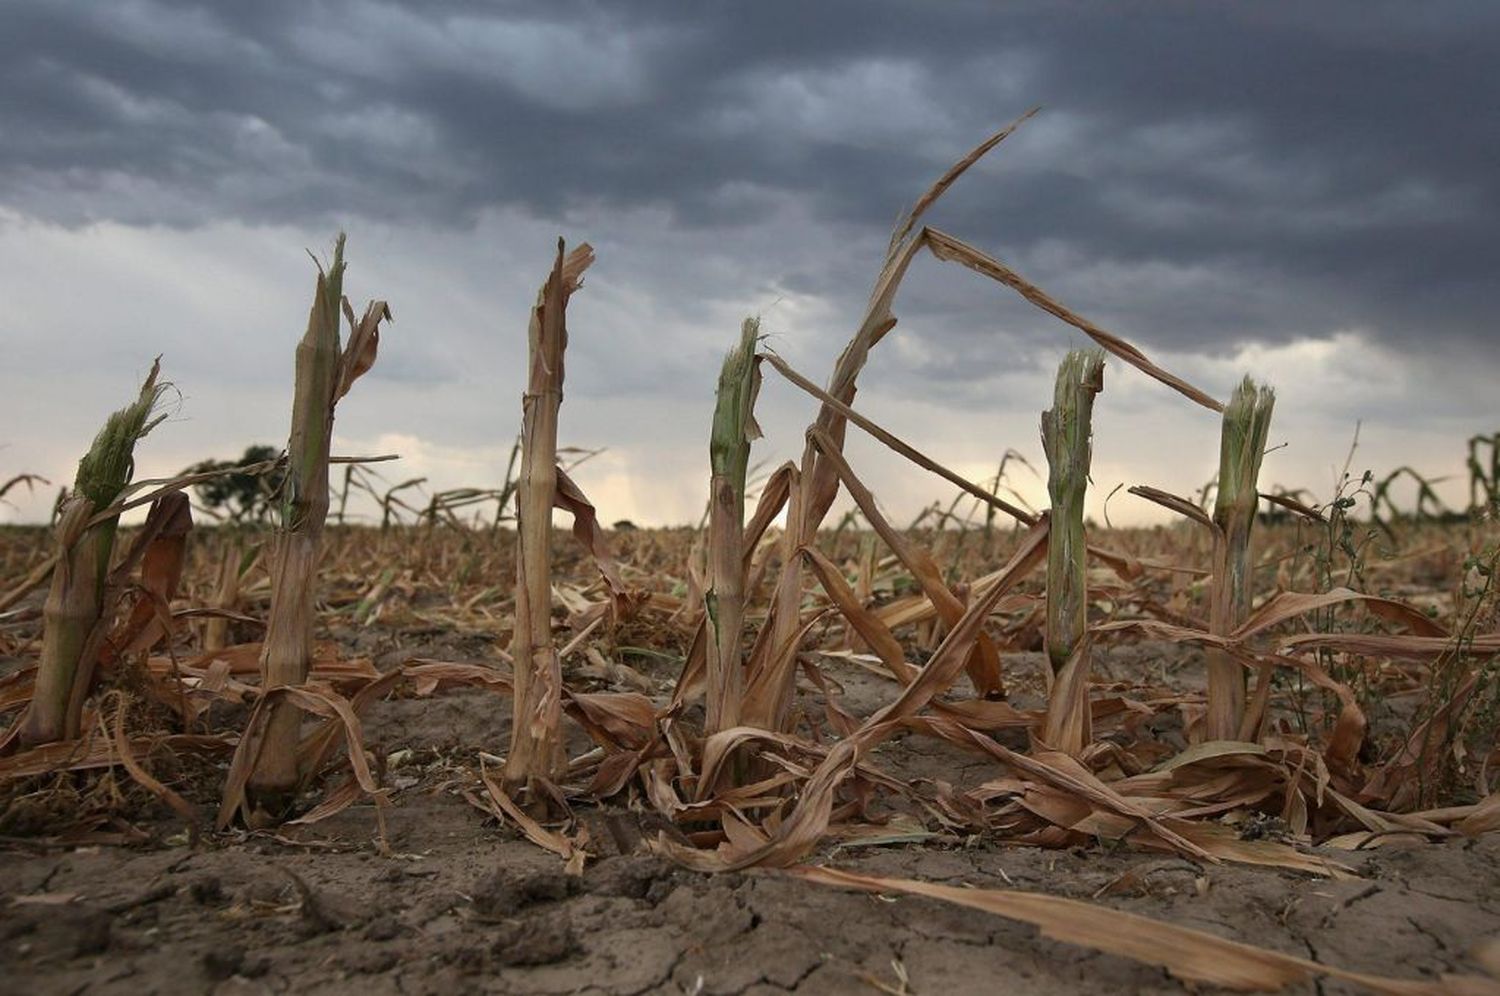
{"x": 1203, "y": 174}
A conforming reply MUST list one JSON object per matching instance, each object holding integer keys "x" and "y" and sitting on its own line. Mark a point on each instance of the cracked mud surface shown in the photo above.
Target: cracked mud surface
{"x": 477, "y": 913}
{"x": 465, "y": 907}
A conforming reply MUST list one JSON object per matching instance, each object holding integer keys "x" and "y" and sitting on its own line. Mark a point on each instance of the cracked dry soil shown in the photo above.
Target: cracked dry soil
{"x": 465, "y": 907}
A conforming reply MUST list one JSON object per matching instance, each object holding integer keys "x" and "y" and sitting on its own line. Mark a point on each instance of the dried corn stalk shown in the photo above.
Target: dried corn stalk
{"x": 818, "y": 483}
{"x": 1188, "y": 954}
{"x": 536, "y": 750}
{"x": 1247, "y": 422}
{"x": 324, "y": 373}
{"x": 734, "y": 427}
{"x": 772, "y": 668}
{"x": 161, "y": 550}
{"x": 76, "y": 599}
{"x": 1066, "y": 431}
{"x": 226, "y": 594}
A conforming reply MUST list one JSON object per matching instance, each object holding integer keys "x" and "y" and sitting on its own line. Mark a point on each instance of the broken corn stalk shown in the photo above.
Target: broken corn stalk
{"x": 535, "y": 760}
{"x": 734, "y": 428}
{"x": 1247, "y": 422}
{"x": 76, "y": 598}
{"x": 324, "y": 373}
{"x": 1066, "y": 431}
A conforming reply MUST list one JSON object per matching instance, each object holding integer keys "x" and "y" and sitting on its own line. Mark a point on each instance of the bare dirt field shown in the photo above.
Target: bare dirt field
{"x": 102, "y": 891}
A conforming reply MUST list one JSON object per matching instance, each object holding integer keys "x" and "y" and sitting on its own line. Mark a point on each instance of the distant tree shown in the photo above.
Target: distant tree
{"x": 244, "y": 497}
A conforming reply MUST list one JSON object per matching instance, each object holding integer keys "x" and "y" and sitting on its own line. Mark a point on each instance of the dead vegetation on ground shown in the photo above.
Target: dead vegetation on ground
{"x": 1303, "y": 690}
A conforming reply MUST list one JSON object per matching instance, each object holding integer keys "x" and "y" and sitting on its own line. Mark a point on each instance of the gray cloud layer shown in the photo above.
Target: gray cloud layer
{"x": 1238, "y": 171}
{"x": 1305, "y": 191}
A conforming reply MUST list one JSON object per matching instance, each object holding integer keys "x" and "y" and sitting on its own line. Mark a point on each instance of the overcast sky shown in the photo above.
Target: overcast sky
{"x": 1303, "y": 192}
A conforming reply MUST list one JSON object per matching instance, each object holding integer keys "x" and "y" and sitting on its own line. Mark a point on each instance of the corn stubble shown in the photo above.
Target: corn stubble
{"x": 325, "y": 370}
{"x": 535, "y": 762}
{"x": 1246, "y": 426}
{"x": 85, "y": 541}
{"x": 763, "y": 781}
{"x": 734, "y": 428}
{"x": 1067, "y": 430}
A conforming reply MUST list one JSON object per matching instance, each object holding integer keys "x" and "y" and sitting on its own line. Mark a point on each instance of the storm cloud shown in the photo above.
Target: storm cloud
{"x": 1216, "y": 182}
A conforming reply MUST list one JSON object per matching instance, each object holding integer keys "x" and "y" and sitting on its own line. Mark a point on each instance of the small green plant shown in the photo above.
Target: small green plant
{"x": 1462, "y": 699}
{"x": 1334, "y": 552}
